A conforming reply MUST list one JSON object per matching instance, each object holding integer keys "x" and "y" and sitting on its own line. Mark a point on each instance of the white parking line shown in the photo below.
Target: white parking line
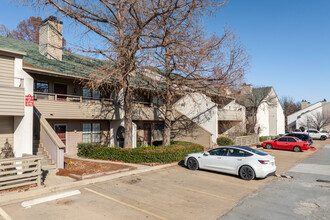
{"x": 29, "y": 203}
{"x": 4, "y": 215}
{"x": 126, "y": 204}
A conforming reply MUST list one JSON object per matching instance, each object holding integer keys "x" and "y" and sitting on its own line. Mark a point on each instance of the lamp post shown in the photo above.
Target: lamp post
{"x": 308, "y": 127}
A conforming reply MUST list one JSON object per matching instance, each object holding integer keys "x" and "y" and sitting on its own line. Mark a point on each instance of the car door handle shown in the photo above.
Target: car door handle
{"x": 218, "y": 157}
{"x": 239, "y": 159}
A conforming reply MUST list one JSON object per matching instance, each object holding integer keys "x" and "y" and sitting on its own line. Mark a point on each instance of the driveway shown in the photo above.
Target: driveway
{"x": 169, "y": 193}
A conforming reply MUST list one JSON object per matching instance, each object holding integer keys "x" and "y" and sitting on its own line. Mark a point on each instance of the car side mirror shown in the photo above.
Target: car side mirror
{"x": 206, "y": 153}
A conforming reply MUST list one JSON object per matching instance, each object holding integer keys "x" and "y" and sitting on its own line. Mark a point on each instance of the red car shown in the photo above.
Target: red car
{"x": 287, "y": 143}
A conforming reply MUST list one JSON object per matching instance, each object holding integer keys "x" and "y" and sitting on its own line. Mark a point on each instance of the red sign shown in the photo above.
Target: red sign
{"x": 29, "y": 100}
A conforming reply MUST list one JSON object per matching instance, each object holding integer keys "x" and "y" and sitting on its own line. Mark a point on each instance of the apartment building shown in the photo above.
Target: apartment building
{"x": 310, "y": 115}
{"x": 63, "y": 113}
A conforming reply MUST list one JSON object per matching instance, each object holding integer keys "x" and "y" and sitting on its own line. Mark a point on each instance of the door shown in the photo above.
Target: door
{"x": 214, "y": 160}
{"x": 60, "y": 130}
{"x": 281, "y": 143}
{"x": 60, "y": 89}
{"x": 147, "y": 133}
{"x": 233, "y": 160}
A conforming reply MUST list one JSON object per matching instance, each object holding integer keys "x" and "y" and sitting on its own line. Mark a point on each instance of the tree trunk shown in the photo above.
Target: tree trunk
{"x": 168, "y": 114}
{"x": 128, "y": 108}
{"x": 168, "y": 105}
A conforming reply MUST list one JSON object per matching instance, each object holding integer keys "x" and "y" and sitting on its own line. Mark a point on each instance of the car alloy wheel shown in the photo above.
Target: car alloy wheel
{"x": 296, "y": 149}
{"x": 269, "y": 146}
{"x": 246, "y": 173}
{"x": 192, "y": 163}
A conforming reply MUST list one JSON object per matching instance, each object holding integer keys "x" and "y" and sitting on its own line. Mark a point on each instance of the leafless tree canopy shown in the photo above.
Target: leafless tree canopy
{"x": 316, "y": 121}
{"x": 134, "y": 34}
{"x": 289, "y": 106}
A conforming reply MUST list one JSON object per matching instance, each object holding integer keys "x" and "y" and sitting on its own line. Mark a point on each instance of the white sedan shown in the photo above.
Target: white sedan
{"x": 246, "y": 162}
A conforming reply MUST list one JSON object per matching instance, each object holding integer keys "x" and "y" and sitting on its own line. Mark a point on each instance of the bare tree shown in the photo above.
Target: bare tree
{"x": 316, "y": 121}
{"x": 117, "y": 28}
{"x": 289, "y": 106}
{"x": 192, "y": 61}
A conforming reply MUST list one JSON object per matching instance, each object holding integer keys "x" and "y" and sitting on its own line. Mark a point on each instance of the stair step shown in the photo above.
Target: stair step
{"x": 48, "y": 167}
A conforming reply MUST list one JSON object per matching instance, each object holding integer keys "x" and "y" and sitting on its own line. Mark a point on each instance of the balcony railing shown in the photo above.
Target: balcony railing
{"x": 70, "y": 98}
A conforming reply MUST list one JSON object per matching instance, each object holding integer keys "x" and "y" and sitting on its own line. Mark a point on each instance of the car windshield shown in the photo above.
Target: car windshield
{"x": 299, "y": 139}
{"x": 254, "y": 151}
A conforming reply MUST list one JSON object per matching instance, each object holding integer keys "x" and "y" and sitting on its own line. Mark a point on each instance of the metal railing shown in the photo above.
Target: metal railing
{"x": 70, "y": 98}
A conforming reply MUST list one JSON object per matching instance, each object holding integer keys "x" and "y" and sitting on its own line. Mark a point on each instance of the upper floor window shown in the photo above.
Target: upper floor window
{"x": 41, "y": 86}
{"x": 94, "y": 95}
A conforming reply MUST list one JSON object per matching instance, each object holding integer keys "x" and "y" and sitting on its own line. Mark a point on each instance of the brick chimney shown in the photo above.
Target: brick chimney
{"x": 50, "y": 38}
{"x": 246, "y": 89}
{"x": 305, "y": 104}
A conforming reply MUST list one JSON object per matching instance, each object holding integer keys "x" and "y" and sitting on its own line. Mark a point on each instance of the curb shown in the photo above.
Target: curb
{"x": 284, "y": 176}
{"x": 14, "y": 197}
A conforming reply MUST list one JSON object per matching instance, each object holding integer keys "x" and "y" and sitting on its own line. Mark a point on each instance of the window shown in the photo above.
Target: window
{"x": 91, "y": 133}
{"x": 235, "y": 153}
{"x": 254, "y": 151}
{"x": 283, "y": 140}
{"x": 291, "y": 140}
{"x": 41, "y": 87}
{"x": 218, "y": 151}
{"x": 94, "y": 95}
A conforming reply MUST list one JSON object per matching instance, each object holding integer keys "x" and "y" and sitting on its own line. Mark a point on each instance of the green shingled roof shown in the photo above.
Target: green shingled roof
{"x": 258, "y": 94}
{"x": 72, "y": 64}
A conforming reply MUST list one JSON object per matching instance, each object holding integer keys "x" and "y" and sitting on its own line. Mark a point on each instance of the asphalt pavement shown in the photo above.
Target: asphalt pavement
{"x": 305, "y": 196}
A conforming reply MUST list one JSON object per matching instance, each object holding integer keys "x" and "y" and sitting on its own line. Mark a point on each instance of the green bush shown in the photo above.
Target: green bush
{"x": 262, "y": 138}
{"x": 147, "y": 154}
{"x": 225, "y": 141}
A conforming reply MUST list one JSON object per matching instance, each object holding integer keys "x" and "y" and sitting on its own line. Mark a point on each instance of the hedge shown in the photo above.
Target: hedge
{"x": 225, "y": 141}
{"x": 146, "y": 154}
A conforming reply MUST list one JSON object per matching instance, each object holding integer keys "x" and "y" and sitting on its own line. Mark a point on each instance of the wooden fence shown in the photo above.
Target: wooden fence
{"x": 246, "y": 140}
{"x": 21, "y": 171}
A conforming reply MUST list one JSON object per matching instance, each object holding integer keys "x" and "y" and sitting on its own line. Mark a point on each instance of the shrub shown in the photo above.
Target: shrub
{"x": 225, "y": 141}
{"x": 262, "y": 138}
{"x": 148, "y": 154}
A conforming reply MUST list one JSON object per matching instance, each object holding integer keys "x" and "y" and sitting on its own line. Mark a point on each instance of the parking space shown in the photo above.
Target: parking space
{"x": 169, "y": 193}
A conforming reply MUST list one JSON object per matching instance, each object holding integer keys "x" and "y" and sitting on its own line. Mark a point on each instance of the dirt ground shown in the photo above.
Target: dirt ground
{"x": 82, "y": 167}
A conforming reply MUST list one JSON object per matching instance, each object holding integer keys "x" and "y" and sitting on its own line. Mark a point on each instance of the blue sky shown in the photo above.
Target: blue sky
{"x": 288, "y": 41}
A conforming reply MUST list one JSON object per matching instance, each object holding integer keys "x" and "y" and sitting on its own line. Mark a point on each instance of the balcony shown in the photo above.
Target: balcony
{"x": 11, "y": 96}
{"x": 64, "y": 106}
{"x": 230, "y": 115}
{"x": 147, "y": 111}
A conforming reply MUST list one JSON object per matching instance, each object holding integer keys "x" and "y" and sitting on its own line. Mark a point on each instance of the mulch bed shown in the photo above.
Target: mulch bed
{"x": 19, "y": 189}
{"x": 82, "y": 167}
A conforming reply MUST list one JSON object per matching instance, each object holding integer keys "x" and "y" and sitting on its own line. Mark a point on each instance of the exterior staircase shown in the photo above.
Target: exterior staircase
{"x": 46, "y": 163}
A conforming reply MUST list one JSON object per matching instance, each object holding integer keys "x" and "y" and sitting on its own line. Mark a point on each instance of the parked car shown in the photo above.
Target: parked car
{"x": 287, "y": 143}
{"x": 326, "y": 132}
{"x": 303, "y": 137}
{"x": 315, "y": 134}
{"x": 245, "y": 162}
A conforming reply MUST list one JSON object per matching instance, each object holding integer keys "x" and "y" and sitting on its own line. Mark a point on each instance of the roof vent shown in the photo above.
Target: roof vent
{"x": 50, "y": 38}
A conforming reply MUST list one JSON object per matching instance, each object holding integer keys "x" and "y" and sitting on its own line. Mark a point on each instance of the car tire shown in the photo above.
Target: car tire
{"x": 296, "y": 149}
{"x": 192, "y": 163}
{"x": 269, "y": 146}
{"x": 323, "y": 138}
{"x": 246, "y": 173}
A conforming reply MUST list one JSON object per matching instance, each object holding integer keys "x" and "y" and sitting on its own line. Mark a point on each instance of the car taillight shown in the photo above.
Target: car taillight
{"x": 264, "y": 161}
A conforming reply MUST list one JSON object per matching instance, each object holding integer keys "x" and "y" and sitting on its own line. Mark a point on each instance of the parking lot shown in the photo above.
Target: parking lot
{"x": 170, "y": 193}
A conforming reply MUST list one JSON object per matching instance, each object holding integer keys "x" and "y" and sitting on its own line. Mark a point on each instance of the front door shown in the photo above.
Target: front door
{"x": 60, "y": 130}
{"x": 147, "y": 133}
{"x": 60, "y": 89}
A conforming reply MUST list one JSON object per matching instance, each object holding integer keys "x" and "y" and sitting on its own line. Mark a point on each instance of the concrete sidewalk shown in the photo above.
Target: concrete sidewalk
{"x": 54, "y": 183}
